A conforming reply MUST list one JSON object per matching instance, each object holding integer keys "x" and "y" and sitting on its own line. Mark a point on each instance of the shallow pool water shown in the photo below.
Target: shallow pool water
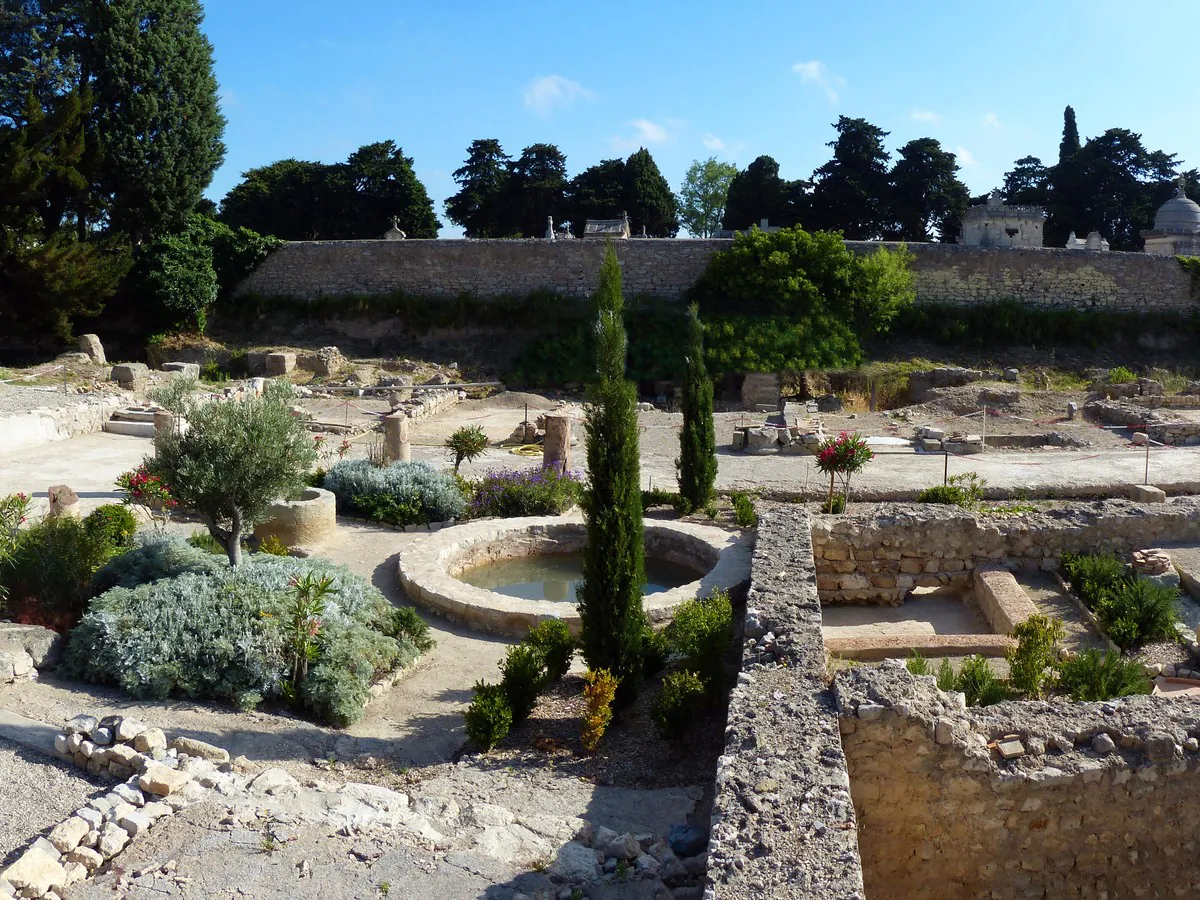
{"x": 555, "y": 576}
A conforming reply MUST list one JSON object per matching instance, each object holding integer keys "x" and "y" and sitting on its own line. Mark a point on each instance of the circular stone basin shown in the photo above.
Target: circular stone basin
{"x": 308, "y": 521}
{"x": 538, "y": 558}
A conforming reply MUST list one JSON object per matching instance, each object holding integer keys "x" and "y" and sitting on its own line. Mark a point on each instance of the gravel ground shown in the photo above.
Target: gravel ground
{"x": 15, "y": 400}
{"x": 36, "y": 794}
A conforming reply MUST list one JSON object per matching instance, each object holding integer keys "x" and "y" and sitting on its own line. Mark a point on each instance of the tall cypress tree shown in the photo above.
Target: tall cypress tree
{"x": 610, "y": 597}
{"x": 697, "y": 463}
{"x": 1069, "y": 145}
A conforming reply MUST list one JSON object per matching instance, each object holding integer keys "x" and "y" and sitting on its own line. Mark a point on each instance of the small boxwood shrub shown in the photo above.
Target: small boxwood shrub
{"x": 525, "y": 492}
{"x": 1032, "y": 663}
{"x": 1093, "y": 675}
{"x": 524, "y": 676}
{"x": 488, "y": 718}
{"x": 656, "y": 648}
{"x": 701, "y": 634}
{"x": 179, "y": 622}
{"x": 408, "y": 623}
{"x": 400, "y": 494}
{"x": 683, "y": 698}
{"x": 744, "y": 512}
{"x": 553, "y": 640}
{"x": 113, "y": 523}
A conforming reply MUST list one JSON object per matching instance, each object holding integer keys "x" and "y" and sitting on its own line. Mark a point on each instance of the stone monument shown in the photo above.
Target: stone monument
{"x": 395, "y": 438}
{"x": 1176, "y": 230}
{"x": 996, "y": 224}
{"x": 394, "y": 233}
{"x": 549, "y": 228}
{"x": 556, "y": 448}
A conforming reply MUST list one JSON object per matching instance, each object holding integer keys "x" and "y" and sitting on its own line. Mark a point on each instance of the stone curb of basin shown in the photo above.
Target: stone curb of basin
{"x": 155, "y": 780}
{"x": 427, "y": 570}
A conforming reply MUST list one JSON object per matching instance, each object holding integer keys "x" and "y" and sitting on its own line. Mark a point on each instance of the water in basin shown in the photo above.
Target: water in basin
{"x": 554, "y": 576}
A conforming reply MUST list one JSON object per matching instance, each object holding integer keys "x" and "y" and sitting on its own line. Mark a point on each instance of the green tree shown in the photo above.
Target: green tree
{"x": 1027, "y": 183}
{"x": 537, "y": 183}
{"x": 703, "y": 195}
{"x": 648, "y": 197}
{"x": 483, "y": 179}
{"x": 850, "y": 192}
{"x": 926, "y": 194}
{"x": 290, "y": 199}
{"x": 175, "y": 271}
{"x": 1069, "y": 145}
{"x": 376, "y": 185}
{"x": 156, "y": 124}
{"x": 610, "y": 596}
{"x": 756, "y": 193}
{"x": 234, "y": 460}
{"x": 697, "y": 463}
{"x": 598, "y": 192}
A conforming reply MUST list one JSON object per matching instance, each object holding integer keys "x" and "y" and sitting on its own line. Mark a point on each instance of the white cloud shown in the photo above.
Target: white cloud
{"x": 816, "y": 72}
{"x": 650, "y": 132}
{"x": 550, "y": 92}
{"x": 712, "y": 142}
{"x": 965, "y": 157}
{"x": 925, "y": 115}
{"x": 990, "y": 120}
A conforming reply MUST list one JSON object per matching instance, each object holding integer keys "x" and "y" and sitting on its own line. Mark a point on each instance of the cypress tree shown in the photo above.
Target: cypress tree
{"x": 1069, "y": 145}
{"x": 610, "y": 597}
{"x": 697, "y": 463}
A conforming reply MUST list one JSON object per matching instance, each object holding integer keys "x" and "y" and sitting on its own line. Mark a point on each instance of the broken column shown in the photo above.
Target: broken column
{"x": 62, "y": 501}
{"x": 164, "y": 424}
{"x": 556, "y": 449}
{"x": 395, "y": 438}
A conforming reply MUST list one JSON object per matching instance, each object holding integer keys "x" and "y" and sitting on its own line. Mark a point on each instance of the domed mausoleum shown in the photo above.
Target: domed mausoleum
{"x": 996, "y": 224}
{"x": 1176, "y": 229}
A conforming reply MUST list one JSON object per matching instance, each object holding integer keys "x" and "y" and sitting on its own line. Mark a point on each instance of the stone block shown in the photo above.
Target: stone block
{"x": 67, "y": 835}
{"x": 131, "y": 376}
{"x": 280, "y": 363}
{"x": 150, "y": 740}
{"x": 62, "y": 500}
{"x": 36, "y": 871}
{"x": 1146, "y": 493}
{"x": 161, "y": 780}
{"x": 200, "y": 749}
{"x": 186, "y": 369}
{"x": 43, "y": 645}
{"x": 90, "y": 344}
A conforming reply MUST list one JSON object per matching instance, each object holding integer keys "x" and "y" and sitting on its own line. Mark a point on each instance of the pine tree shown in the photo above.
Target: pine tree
{"x": 649, "y": 199}
{"x": 697, "y": 463}
{"x": 610, "y": 597}
{"x": 482, "y": 181}
{"x": 157, "y": 127}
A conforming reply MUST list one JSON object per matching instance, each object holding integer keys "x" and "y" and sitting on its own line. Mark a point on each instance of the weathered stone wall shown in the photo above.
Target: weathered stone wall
{"x": 1097, "y": 804}
{"x": 945, "y": 273}
{"x": 783, "y": 823}
{"x": 880, "y": 552}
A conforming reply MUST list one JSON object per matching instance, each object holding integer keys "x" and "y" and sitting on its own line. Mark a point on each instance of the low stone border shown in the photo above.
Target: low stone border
{"x": 156, "y": 780}
{"x": 427, "y": 570}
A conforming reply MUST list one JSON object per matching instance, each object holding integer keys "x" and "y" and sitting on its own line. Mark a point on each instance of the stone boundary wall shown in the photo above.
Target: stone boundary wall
{"x": 783, "y": 824}
{"x": 880, "y": 552}
{"x": 945, "y": 273}
{"x": 1095, "y": 801}
{"x": 57, "y": 423}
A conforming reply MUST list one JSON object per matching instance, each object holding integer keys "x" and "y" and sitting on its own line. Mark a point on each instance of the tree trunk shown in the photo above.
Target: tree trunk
{"x": 829, "y": 501}
{"x": 234, "y": 545}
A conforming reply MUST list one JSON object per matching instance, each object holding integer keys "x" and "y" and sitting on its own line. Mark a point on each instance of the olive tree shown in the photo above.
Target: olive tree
{"x": 234, "y": 460}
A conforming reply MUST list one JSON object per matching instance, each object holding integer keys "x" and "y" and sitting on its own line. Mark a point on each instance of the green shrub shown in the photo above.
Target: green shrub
{"x": 946, "y": 679}
{"x": 1121, "y": 375}
{"x": 656, "y": 648}
{"x": 488, "y": 718}
{"x": 175, "y": 273}
{"x": 466, "y": 444}
{"x": 1132, "y": 611}
{"x": 599, "y": 690}
{"x": 1093, "y": 575}
{"x": 399, "y": 494}
{"x": 525, "y": 492}
{"x": 682, "y": 700}
{"x": 212, "y": 373}
{"x": 743, "y": 509}
{"x": 697, "y": 463}
{"x": 524, "y": 676}
{"x": 181, "y": 623}
{"x": 1093, "y": 675}
{"x": 553, "y": 640}
{"x": 202, "y": 540}
{"x": 407, "y": 623}
{"x": 273, "y": 546}
{"x": 964, "y": 489}
{"x": 702, "y": 634}
{"x": 917, "y": 664}
{"x": 51, "y": 568}
{"x": 113, "y": 523}
{"x": 975, "y": 679}
{"x": 659, "y": 497}
{"x": 1032, "y": 663}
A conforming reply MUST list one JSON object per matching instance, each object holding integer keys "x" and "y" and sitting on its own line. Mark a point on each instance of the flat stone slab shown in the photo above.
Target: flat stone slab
{"x": 428, "y": 567}
{"x": 897, "y": 646}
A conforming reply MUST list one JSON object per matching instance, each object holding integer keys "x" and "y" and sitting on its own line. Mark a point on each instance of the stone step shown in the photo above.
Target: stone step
{"x": 133, "y": 429}
{"x": 134, "y": 414}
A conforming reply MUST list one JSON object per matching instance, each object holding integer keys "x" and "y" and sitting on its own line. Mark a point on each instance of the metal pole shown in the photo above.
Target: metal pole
{"x": 983, "y": 430}
{"x": 1147, "y": 481}
{"x": 945, "y": 467}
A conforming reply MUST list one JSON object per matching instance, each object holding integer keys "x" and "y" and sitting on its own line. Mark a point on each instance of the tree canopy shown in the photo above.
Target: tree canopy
{"x": 358, "y": 198}
{"x": 850, "y": 192}
{"x": 756, "y": 193}
{"x": 703, "y": 195}
{"x": 925, "y": 195}
{"x": 483, "y": 183}
{"x": 634, "y": 186}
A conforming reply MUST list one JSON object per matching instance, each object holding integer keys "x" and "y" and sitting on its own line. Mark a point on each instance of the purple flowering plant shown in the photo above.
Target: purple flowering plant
{"x": 525, "y": 492}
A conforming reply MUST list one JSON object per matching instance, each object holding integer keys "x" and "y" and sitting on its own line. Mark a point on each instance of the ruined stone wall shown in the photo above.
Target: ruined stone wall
{"x": 945, "y": 273}
{"x": 1097, "y": 803}
{"x": 783, "y": 824}
{"x": 878, "y": 553}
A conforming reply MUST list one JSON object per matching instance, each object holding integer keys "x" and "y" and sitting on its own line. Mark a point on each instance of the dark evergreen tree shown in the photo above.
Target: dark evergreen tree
{"x": 649, "y": 199}
{"x": 697, "y": 463}
{"x": 288, "y": 199}
{"x": 598, "y": 192}
{"x": 756, "y": 193}
{"x": 156, "y": 126}
{"x": 1027, "y": 183}
{"x": 850, "y": 192}
{"x": 610, "y": 597}
{"x": 537, "y": 183}
{"x": 926, "y": 194}
{"x": 1069, "y": 145}
{"x": 483, "y": 179}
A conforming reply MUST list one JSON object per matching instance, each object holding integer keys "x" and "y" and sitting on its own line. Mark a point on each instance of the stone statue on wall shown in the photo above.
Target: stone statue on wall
{"x": 549, "y": 228}
{"x": 394, "y": 233}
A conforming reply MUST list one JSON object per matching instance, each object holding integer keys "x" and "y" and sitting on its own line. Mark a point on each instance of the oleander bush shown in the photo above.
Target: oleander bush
{"x": 176, "y": 621}
{"x": 524, "y": 492}
{"x": 412, "y": 493}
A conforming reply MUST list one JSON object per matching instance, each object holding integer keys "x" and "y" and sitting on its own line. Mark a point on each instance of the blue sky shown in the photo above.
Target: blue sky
{"x": 316, "y": 80}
